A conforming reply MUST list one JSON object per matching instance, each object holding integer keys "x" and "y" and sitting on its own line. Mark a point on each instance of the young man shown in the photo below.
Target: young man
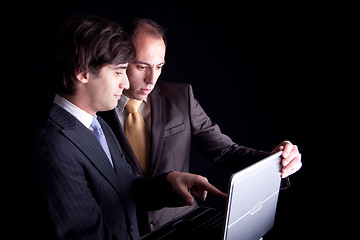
{"x": 174, "y": 118}
{"x": 90, "y": 190}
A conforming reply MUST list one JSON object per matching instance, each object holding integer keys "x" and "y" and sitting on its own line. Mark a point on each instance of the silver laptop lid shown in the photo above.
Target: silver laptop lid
{"x": 253, "y": 195}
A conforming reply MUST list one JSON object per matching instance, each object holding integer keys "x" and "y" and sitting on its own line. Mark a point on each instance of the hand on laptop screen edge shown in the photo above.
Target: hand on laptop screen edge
{"x": 292, "y": 158}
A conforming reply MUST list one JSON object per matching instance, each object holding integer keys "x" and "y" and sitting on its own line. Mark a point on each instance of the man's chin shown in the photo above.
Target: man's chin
{"x": 140, "y": 95}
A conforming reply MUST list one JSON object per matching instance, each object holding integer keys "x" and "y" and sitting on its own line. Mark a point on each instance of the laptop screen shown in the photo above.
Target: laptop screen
{"x": 253, "y": 194}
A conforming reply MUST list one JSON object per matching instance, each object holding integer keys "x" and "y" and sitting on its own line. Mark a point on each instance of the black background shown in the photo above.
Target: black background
{"x": 263, "y": 72}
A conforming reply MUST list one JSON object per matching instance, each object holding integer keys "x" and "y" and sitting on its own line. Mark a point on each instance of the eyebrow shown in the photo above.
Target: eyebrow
{"x": 147, "y": 64}
{"x": 120, "y": 67}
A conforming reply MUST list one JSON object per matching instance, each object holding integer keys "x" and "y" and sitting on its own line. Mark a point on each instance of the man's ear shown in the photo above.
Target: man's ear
{"x": 83, "y": 76}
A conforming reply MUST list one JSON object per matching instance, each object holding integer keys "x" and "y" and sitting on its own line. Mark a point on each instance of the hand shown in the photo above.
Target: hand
{"x": 198, "y": 186}
{"x": 292, "y": 158}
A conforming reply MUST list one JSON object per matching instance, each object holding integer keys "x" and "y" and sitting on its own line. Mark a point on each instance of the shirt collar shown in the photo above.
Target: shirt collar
{"x": 81, "y": 115}
{"x": 123, "y": 100}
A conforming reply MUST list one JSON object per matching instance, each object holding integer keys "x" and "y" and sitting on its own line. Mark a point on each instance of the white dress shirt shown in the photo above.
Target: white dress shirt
{"x": 81, "y": 115}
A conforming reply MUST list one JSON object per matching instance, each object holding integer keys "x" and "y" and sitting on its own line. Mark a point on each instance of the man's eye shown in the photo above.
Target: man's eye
{"x": 141, "y": 67}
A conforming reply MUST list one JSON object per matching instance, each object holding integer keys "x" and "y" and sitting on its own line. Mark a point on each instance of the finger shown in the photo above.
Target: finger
{"x": 287, "y": 173}
{"x": 294, "y": 152}
{"x": 178, "y": 181}
{"x": 292, "y": 167}
{"x": 287, "y": 148}
{"x": 211, "y": 189}
{"x": 294, "y": 162}
{"x": 202, "y": 194}
{"x": 278, "y": 148}
{"x": 184, "y": 193}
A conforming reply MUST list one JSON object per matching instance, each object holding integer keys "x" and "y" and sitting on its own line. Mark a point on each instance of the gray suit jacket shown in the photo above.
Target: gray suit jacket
{"x": 86, "y": 197}
{"x": 177, "y": 119}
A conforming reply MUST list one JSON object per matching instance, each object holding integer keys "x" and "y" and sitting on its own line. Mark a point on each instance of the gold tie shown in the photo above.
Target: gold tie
{"x": 137, "y": 134}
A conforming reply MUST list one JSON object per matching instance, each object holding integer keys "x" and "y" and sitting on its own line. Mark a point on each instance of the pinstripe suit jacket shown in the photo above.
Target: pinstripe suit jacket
{"x": 86, "y": 197}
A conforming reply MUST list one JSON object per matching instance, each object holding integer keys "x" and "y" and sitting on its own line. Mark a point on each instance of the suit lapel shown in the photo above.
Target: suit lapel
{"x": 158, "y": 116}
{"x": 112, "y": 119}
{"x": 87, "y": 143}
{"x": 117, "y": 154}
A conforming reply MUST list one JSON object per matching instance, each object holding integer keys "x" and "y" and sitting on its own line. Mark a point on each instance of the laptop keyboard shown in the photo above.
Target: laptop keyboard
{"x": 208, "y": 225}
{"x": 202, "y": 223}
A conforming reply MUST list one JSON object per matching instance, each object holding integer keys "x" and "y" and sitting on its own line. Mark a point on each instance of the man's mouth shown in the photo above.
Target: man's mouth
{"x": 145, "y": 91}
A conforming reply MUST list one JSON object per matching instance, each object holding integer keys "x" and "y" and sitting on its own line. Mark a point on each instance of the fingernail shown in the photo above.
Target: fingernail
{"x": 189, "y": 201}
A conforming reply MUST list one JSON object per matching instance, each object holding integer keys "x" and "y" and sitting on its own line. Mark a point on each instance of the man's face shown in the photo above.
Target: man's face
{"x": 146, "y": 68}
{"x": 105, "y": 88}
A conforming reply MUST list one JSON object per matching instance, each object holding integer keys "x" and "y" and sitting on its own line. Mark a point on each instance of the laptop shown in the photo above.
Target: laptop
{"x": 250, "y": 212}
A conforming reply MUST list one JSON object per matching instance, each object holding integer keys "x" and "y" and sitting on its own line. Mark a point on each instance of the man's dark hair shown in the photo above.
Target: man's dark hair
{"x": 135, "y": 25}
{"x": 87, "y": 43}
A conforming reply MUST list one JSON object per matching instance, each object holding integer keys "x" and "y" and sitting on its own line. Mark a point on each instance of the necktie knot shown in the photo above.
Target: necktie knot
{"x": 95, "y": 125}
{"x": 133, "y": 105}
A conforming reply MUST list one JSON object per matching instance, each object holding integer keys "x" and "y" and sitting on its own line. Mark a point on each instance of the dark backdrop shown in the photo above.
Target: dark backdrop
{"x": 256, "y": 70}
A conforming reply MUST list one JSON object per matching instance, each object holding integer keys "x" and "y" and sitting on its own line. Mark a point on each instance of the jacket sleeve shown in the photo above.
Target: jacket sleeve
{"x": 155, "y": 193}
{"x": 216, "y": 145}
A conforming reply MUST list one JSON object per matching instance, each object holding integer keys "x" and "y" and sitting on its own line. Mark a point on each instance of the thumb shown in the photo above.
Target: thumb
{"x": 177, "y": 180}
{"x": 185, "y": 194}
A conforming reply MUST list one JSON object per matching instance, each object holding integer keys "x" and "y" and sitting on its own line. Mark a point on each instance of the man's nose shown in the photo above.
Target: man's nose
{"x": 125, "y": 84}
{"x": 151, "y": 76}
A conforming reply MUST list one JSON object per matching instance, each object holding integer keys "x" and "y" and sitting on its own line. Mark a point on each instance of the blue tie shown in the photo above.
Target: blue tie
{"x": 99, "y": 134}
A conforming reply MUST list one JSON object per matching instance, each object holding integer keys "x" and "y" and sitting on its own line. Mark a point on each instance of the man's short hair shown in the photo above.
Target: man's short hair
{"x": 87, "y": 43}
{"x": 136, "y": 25}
